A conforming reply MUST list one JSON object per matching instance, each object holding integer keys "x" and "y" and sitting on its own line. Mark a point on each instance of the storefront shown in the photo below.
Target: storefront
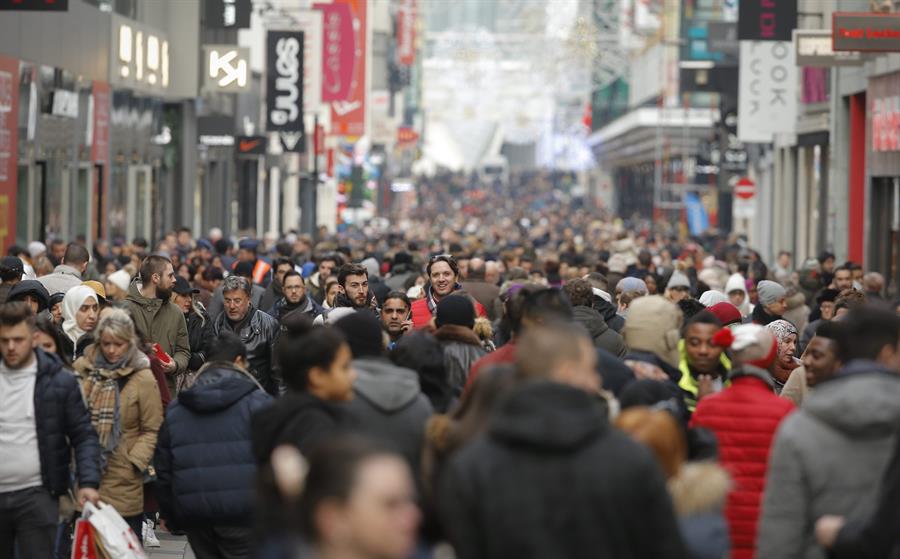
{"x": 883, "y": 162}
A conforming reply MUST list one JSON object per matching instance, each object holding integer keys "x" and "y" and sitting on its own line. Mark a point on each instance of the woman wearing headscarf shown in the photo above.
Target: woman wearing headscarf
{"x": 123, "y": 399}
{"x": 786, "y": 334}
{"x": 736, "y": 289}
{"x": 81, "y": 309}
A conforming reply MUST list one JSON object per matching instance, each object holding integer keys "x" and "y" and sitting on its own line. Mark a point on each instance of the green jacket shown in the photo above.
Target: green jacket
{"x": 161, "y": 322}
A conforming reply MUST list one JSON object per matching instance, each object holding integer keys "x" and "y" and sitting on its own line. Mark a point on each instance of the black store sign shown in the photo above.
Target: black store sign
{"x": 228, "y": 14}
{"x": 284, "y": 88}
{"x": 35, "y": 5}
{"x": 766, "y": 20}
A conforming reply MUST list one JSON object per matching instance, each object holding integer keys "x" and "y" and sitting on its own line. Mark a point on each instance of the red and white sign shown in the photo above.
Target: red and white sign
{"x": 9, "y": 129}
{"x": 406, "y": 32}
{"x": 344, "y": 31}
{"x": 886, "y": 123}
{"x": 406, "y": 135}
{"x": 745, "y": 189}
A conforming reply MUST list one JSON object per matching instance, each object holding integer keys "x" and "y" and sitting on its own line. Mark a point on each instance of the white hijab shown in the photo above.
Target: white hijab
{"x": 736, "y": 282}
{"x": 75, "y": 297}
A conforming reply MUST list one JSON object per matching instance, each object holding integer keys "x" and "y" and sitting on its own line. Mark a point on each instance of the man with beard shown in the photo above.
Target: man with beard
{"x": 395, "y": 316}
{"x": 157, "y": 318}
{"x": 353, "y": 282}
{"x": 275, "y": 290}
{"x": 443, "y": 279}
{"x": 294, "y": 299}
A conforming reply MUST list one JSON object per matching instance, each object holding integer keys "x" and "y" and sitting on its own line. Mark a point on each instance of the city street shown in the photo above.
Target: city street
{"x": 450, "y": 279}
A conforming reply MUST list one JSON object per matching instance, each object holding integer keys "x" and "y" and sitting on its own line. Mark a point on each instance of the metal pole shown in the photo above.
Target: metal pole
{"x": 308, "y": 189}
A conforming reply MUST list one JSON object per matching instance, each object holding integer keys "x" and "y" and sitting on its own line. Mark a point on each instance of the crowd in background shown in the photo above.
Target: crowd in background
{"x": 504, "y": 371}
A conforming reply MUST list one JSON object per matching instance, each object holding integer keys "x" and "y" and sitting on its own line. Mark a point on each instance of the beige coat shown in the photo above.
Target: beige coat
{"x": 141, "y": 414}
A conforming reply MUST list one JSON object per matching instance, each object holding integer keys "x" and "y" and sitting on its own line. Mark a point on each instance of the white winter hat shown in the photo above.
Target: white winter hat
{"x": 36, "y": 248}
{"x": 120, "y": 279}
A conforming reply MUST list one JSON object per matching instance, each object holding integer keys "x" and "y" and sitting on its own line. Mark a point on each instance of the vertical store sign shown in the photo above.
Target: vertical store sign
{"x": 310, "y": 22}
{"x": 767, "y": 104}
{"x": 406, "y": 32}
{"x": 100, "y": 144}
{"x": 766, "y": 20}
{"x": 284, "y": 88}
{"x": 9, "y": 114}
{"x": 344, "y": 32}
{"x": 883, "y": 98}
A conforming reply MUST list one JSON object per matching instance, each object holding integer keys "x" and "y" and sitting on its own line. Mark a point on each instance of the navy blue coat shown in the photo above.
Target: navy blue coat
{"x": 204, "y": 460}
{"x": 63, "y": 423}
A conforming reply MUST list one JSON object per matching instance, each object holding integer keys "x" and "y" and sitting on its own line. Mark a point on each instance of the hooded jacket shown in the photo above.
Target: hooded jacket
{"x": 161, "y": 322}
{"x": 30, "y": 287}
{"x": 259, "y": 333}
{"x": 462, "y": 348}
{"x": 610, "y": 314}
{"x": 541, "y": 483}
{"x": 601, "y": 334}
{"x": 744, "y": 418}
{"x": 204, "y": 459}
{"x": 281, "y": 308}
{"x": 736, "y": 283}
{"x": 829, "y": 458}
{"x": 653, "y": 326}
{"x": 389, "y": 405}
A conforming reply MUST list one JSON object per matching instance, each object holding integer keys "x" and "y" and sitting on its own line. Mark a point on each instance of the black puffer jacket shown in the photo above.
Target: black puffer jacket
{"x": 260, "y": 336}
{"x": 204, "y": 458}
{"x": 552, "y": 478}
{"x": 63, "y": 424}
{"x": 200, "y": 335}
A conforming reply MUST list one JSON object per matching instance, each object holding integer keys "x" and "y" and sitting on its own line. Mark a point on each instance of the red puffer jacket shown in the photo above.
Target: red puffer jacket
{"x": 744, "y": 418}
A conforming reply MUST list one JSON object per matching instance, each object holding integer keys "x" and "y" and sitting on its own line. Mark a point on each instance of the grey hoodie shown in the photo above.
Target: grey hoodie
{"x": 388, "y": 404}
{"x": 828, "y": 458}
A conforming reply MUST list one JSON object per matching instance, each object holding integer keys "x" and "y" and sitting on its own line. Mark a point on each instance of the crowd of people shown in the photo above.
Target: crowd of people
{"x": 497, "y": 376}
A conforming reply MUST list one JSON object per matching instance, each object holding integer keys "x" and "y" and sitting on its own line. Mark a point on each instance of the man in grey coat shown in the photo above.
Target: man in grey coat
{"x": 68, "y": 274}
{"x": 388, "y": 403}
{"x": 829, "y": 457}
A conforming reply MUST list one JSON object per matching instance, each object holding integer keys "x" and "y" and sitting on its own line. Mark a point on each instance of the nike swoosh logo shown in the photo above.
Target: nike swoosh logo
{"x": 247, "y": 145}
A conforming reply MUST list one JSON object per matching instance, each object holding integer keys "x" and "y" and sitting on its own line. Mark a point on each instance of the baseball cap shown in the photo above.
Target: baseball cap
{"x": 182, "y": 287}
{"x": 10, "y": 265}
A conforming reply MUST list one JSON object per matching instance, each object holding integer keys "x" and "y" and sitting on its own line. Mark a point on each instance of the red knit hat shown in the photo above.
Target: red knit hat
{"x": 726, "y": 312}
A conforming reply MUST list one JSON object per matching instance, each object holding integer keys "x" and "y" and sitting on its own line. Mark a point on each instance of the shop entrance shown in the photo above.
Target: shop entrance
{"x": 140, "y": 203}
{"x": 30, "y": 203}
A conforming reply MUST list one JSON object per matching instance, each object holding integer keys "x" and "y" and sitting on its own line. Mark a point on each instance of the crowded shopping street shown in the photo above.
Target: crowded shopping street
{"x": 449, "y": 279}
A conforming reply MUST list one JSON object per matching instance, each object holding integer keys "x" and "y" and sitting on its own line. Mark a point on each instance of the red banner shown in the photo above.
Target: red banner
{"x": 343, "y": 46}
{"x": 9, "y": 114}
{"x": 406, "y": 135}
{"x": 406, "y": 32}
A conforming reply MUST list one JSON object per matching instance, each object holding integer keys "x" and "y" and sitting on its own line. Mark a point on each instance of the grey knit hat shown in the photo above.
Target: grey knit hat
{"x": 678, "y": 279}
{"x": 769, "y": 292}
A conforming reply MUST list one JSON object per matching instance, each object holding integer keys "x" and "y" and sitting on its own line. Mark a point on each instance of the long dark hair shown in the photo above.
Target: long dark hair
{"x": 46, "y": 325}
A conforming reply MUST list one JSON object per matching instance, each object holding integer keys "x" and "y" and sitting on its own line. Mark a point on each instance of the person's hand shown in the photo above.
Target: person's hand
{"x": 827, "y": 529}
{"x": 169, "y": 367}
{"x": 644, "y": 370}
{"x": 406, "y": 326}
{"x": 704, "y": 386}
{"x": 86, "y": 494}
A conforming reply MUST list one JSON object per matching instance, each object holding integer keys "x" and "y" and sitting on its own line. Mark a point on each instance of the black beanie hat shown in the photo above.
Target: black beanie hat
{"x": 363, "y": 333}
{"x": 455, "y": 309}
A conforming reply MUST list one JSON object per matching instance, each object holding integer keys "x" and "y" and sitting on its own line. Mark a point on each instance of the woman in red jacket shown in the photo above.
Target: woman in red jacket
{"x": 744, "y": 418}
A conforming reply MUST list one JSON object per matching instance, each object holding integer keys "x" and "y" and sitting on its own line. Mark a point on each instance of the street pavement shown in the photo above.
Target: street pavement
{"x": 171, "y": 547}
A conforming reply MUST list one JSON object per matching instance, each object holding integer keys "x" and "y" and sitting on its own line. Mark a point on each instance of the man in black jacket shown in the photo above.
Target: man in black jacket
{"x": 295, "y": 299}
{"x": 42, "y": 420}
{"x": 204, "y": 461}
{"x": 551, "y": 477}
{"x": 257, "y": 330}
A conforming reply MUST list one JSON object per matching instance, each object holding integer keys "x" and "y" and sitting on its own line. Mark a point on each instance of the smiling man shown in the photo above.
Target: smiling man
{"x": 703, "y": 364}
{"x": 443, "y": 279}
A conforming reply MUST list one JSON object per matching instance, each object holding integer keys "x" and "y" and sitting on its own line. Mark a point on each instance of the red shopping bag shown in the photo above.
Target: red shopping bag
{"x": 83, "y": 545}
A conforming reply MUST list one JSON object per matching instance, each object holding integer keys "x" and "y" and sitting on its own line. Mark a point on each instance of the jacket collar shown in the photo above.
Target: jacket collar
{"x": 456, "y": 333}
{"x": 67, "y": 270}
{"x": 755, "y": 372}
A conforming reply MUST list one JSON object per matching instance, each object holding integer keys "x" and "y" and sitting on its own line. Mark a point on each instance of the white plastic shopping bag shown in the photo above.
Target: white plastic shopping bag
{"x": 115, "y": 536}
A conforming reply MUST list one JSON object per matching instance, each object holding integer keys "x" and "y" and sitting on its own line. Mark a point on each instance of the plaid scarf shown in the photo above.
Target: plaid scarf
{"x": 101, "y": 393}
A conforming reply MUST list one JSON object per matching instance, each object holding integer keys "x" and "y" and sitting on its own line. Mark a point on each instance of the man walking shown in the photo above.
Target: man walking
{"x": 43, "y": 419}
{"x": 68, "y": 274}
{"x": 257, "y": 330}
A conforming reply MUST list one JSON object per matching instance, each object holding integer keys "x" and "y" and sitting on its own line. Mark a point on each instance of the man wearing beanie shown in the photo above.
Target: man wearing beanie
{"x": 455, "y": 320}
{"x": 388, "y": 403}
{"x": 772, "y": 302}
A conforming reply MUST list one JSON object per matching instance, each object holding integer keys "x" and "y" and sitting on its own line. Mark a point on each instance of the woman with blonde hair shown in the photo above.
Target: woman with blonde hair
{"x": 126, "y": 411}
